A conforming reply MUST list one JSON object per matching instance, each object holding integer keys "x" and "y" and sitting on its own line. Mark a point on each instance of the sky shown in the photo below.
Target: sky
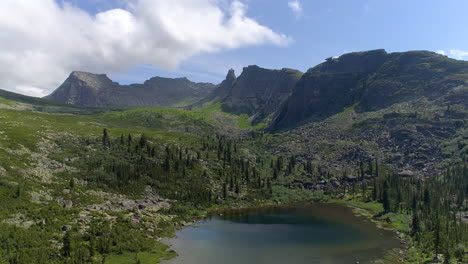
{"x": 41, "y": 42}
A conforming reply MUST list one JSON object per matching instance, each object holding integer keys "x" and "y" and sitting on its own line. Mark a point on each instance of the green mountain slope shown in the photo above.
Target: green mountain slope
{"x": 87, "y": 185}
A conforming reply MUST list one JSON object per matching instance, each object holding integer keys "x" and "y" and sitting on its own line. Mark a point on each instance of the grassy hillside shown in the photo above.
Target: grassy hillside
{"x": 79, "y": 186}
{"x": 57, "y": 173}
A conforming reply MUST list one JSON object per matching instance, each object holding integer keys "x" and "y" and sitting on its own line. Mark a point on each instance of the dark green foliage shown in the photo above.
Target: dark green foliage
{"x": 433, "y": 204}
{"x": 17, "y": 193}
{"x": 67, "y": 245}
{"x": 176, "y": 172}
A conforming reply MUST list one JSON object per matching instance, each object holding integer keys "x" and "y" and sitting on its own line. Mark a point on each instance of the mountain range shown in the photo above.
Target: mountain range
{"x": 370, "y": 80}
{"x": 93, "y": 173}
{"x": 97, "y": 90}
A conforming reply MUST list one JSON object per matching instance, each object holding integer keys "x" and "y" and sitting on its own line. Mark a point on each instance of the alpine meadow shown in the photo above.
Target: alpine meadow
{"x": 356, "y": 157}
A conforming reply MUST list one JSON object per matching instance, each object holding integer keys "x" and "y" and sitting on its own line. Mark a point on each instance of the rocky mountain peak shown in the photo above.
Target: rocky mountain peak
{"x": 97, "y": 90}
{"x": 231, "y": 75}
{"x": 95, "y": 81}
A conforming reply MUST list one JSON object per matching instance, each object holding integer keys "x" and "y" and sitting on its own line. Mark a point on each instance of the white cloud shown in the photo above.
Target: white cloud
{"x": 296, "y": 7}
{"x": 458, "y": 54}
{"x": 31, "y": 90}
{"x": 454, "y": 53}
{"x": 41, "y": 42}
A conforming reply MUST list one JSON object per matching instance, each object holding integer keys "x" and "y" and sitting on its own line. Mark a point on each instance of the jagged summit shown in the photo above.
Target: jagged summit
{"x": 98, "y": 90}
{"x": 368, "y": 80}
{"x": 257, "y": 92}
{"x": 231, "y": 75}
{"x": 93, "y": 80}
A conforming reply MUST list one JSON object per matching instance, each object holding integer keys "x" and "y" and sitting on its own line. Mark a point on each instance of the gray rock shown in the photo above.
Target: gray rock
{"x": 67, "y": 204}
{"x": 27, "y": 224}
{"x": 407, "y": 174}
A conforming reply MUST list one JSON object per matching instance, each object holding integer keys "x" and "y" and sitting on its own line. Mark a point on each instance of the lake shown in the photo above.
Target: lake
{"x": 295, "y": 234}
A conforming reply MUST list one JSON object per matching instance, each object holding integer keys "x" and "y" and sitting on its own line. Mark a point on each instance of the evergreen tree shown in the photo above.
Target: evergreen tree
{"x": 129, "y": 140}
{"x": 386, "y": 200}
{"x": 415, "y": 226}
{"x": 142, "y": 141}
{"x": 105, "y": 137}
{"x": 225, "y": 191}
{"x": 67, "y": 244}
{"x": 17, "y": 193}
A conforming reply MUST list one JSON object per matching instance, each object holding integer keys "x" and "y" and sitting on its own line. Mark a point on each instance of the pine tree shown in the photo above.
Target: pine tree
{"x": 415, "y": 226}
{"x": 376, "y": 169}
{"x": 374, "y": 190}
{"x": 17, "y": 193}
{"x": 225, "y": 191}
{"x": 129, "y": 140}
{"x": 67, "y": 245}
{"x": 105, "y": 137}
{"x": 386, "y": 200}
{"x": 270, "y": 188}
{"x": 142, "y": 141}
{"x": 72, "y": 183}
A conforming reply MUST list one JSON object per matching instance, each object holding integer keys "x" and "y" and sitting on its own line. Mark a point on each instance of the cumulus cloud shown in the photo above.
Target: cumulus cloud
{"x": 296, "y": 7}
{"x": 454, "y": 53}
{"x": 458, "y": 54}
{"x": 42, "y": 41}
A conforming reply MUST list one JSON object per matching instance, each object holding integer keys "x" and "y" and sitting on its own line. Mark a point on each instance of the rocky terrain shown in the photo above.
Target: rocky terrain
{"x": 257, "y": 92}
{"x": 372, "y": 81}
{"x": 407, "y": 109}
{"x": 373, "y": 130}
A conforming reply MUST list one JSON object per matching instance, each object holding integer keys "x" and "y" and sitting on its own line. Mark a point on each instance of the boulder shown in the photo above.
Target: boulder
{"x": 407, "y": 174}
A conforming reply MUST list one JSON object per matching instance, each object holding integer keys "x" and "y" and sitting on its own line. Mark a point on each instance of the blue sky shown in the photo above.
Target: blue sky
{"x": 324, "y": 29}
{"x": 133, "y": 40}
{"x": 330, "y": 28}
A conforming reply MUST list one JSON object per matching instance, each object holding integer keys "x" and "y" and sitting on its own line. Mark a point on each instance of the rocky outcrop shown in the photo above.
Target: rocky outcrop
{"x": 371, "y": 81}
{"x": 97, "y": 90}
{"x": 257, "y": 92}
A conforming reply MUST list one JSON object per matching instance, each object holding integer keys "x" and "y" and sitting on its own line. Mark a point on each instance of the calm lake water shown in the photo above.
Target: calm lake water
{"x": 313, "y": 233}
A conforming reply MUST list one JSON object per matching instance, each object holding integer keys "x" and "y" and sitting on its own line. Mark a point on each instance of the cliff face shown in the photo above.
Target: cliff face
{"x": 84, "y": 89}
{"x": 371, "y": 81}
{"x": 285, "y": 98}
{"x": 97, "y": 90}
{"x": 257, "y": 92}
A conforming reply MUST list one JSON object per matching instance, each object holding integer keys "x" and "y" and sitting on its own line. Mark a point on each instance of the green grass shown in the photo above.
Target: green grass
{"x": 373, "y": 207}
{"x": 243, "y": 121}
{"x": 156, "y": 256}
{"x": 5, "y": 101}
{"x": 22, "y": 130}
{"x": 401, "y": 222}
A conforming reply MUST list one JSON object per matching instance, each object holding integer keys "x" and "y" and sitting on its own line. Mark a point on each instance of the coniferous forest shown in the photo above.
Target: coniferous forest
{"x": 99, "y": 181}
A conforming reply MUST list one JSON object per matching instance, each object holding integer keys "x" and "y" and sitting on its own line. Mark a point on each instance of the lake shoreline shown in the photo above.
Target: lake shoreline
{"x": 394, "y": 255}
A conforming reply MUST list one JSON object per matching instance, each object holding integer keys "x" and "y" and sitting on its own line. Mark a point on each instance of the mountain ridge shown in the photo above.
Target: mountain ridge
{"x": 286, "y": 98}
{"x": 98, "y": 90}
{"x": 389, "y": 78}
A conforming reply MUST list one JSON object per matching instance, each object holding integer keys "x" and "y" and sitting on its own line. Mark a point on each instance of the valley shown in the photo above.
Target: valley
{"x": 94, "y": 176}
